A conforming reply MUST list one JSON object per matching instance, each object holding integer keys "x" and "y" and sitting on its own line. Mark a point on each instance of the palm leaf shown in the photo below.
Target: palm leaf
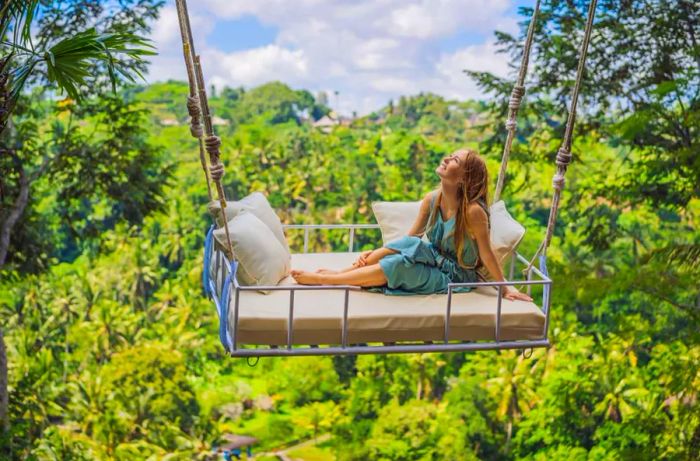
{"x": 19, "y": 14}
{"x": 681, "y": 256}
{"x": 69, "y": 62}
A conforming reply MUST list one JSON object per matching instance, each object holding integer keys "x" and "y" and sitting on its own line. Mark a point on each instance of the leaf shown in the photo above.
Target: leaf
{"x": 70, "y": 61}
{"x": 683, "y": 256}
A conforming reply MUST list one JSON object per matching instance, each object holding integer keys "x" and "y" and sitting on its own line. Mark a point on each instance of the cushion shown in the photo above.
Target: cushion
{"x": 261, "y": 258}
{"x": 257, "y": 204}
{"x": 396, "y": 218}
{"x": 506, "y": 232}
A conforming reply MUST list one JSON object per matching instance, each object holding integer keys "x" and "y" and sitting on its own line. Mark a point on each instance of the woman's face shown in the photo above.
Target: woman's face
{"x": 451, "y": 167}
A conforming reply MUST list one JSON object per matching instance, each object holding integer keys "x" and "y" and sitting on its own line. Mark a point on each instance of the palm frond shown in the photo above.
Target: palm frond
{"x": 19, "y": 14}
{"x": 69, "y": 62}
{"x": 684, "y": 257}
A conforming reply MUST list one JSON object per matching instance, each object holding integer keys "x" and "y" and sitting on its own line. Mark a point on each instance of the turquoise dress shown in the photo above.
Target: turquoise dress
{"x": 421, "y": 267}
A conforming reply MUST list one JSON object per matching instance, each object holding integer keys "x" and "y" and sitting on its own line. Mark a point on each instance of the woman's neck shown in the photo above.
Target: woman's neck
{"x": 449, "y": 198}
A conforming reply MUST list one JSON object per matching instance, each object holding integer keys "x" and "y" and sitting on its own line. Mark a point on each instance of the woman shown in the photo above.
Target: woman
{"x": 455, "y": 219}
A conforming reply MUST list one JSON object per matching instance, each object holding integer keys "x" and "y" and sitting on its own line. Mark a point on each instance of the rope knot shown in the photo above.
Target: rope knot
{"x": 216, "y": 171}
{"x": 196, "y": 130}
{"x": 516, "y": 97}
{"x": 194, "y": 111}
{"x": 510, "y": 124}
{"x": 563, "y": 157}
{"x": 213, "y": 143}
{"x": 558, "y": 181}
{"x": 193, "y": 106}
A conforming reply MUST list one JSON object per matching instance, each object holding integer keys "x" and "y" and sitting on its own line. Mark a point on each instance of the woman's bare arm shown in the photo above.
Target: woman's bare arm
{"x": 478, "y": 222}
{"x": 418, "y": 228}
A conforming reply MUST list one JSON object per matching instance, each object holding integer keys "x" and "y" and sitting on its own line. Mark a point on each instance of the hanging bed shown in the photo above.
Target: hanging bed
{"x": 292, "y": 319}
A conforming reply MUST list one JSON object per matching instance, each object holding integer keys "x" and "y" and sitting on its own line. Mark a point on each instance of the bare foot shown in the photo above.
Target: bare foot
{"x": 306, "y": 277}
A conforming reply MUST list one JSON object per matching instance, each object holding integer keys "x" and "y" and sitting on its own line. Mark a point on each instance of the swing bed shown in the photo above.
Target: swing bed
{"x": 301, "y": 320}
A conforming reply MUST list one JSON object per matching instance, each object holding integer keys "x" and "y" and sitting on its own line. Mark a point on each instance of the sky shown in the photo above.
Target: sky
{"x": 368, "y": 51}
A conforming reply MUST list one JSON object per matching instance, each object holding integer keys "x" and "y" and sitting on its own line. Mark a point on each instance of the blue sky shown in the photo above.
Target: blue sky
{"x": 367, "y": 51}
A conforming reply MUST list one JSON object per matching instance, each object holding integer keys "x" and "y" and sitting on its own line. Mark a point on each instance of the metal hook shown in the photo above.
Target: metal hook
{"x": 247, "y": 359}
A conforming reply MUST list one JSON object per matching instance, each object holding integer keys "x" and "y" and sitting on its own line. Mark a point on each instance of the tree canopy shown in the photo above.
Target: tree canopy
{"x": 113, "y": 350}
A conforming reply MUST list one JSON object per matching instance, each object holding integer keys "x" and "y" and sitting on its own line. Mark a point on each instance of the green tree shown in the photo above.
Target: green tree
{"x": 275, "y": 100}
{"x": 62, "y": 63}
{"x": 640, "y": 94}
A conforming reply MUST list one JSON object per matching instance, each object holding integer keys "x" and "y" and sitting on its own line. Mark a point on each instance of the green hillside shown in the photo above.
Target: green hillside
{"x": 115, "y": 353}
{"x": 113, "y": 350}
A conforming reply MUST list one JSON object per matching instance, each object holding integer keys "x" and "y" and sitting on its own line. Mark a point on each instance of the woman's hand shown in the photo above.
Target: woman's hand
{"x": 362, "y": 260}
{"x": 513, "y": 295}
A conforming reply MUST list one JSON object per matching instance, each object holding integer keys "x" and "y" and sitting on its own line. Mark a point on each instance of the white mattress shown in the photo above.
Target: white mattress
{"x": 375, "y": 317}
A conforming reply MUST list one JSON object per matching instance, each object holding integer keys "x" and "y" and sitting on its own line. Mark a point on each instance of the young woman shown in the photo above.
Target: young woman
{"x": 455, "y": 219}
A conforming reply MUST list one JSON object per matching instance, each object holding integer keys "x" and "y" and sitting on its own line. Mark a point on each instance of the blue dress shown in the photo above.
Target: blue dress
{"x": 421, "y": 267}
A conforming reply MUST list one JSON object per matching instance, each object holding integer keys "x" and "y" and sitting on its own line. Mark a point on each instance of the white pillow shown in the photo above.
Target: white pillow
{"x": 396, "y": 218}
{"x": 506, "y": 232}
{"x": 257, "y": 204}
{"x": 261, "y": 258}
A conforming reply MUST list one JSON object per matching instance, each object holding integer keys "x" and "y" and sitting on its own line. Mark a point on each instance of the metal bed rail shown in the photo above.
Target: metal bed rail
{"x": 221, "y": 284}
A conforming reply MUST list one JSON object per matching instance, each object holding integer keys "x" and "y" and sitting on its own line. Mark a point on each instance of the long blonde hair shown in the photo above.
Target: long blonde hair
{"x": 474, "y": 187}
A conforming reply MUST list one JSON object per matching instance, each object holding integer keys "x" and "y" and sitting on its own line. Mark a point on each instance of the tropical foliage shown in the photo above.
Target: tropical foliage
{"x": 113, "y": 351}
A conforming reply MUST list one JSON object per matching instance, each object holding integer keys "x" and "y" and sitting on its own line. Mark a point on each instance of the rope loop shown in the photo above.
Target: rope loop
{"x": 212, "y": 144}
{"x": 193, "y": 106}
{"x": 516, "y": 97}
{"x": 558, "y": 181}
{"x": 511, "y": 124}
{"x": 216, "y": 171}
{"x": 194, "y": 110}
{"x": 196, "y": 130}
{"x": 563, "y": 157}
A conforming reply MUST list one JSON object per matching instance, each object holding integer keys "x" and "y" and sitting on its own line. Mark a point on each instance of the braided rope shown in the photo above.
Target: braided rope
{"x": 195, "y": 123}
{"x": 516, "y": 98}
{"x": 198, "y": 108}
{"x": 564, "y": 154}
{"x": 192, "y": 100}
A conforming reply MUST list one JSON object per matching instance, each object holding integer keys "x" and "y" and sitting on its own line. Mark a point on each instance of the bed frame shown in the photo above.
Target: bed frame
{"x": 220, "y": 284}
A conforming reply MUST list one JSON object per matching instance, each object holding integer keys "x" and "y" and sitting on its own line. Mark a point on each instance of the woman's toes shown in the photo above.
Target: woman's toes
{"x": 308, "y": 278}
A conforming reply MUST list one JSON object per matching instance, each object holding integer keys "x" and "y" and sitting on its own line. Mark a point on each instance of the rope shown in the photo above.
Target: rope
{"x": 198, "y": 108}
{"x": 516, "y": 98}
{"x": 564, "y": 154}
{"x": 192, "y": 100}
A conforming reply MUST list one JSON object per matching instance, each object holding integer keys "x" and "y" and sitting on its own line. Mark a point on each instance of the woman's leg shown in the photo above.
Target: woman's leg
{"x": 378, "y": 254}
{"x": 373, "y": 258}
{"x": 367, "y": 276}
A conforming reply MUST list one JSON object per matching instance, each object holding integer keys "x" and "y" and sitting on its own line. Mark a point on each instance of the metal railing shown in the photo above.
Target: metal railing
{"x": 221, "y": 283}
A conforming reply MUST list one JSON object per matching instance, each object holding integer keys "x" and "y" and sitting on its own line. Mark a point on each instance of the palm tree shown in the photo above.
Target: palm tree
{"x": 66, "y": 64}
{"x": 514, "y": 387}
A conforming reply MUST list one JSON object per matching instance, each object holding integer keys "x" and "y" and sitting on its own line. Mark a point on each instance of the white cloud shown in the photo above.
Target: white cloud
{"x": 258, "y": 65}
{"x": 439, "y": 18}
{"x": 396, "y": 85}
{"x": 368, "y": 50}
{"x": 166, "y": 38}
{"x": 481, "y": 58}
{"x": 165, "y": 30}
